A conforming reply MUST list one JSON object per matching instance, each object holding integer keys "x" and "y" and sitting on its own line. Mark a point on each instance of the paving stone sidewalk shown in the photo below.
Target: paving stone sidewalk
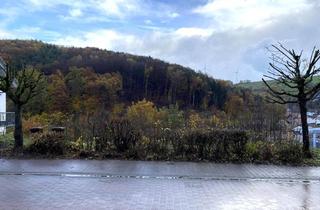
{"x": 135, "y": 185}
{"x": 53, "y": 192}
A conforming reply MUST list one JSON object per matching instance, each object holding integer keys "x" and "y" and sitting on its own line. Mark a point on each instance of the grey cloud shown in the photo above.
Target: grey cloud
{"x": 223, "y": 53}
{"x": 241, "y": 49}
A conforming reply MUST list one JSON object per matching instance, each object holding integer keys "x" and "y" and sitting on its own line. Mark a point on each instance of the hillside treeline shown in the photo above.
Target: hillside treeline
{"x": 116, "y": 104}
{"x": 139, "y": 77}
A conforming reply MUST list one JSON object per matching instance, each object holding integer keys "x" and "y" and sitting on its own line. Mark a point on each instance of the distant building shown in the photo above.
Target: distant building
{"x": 3, "y": 105}
{"x": 314, "y": 135}
{"x": 6, "y": 118}
{"x": 313, "y": 120}
{"x": 311, "y": 114}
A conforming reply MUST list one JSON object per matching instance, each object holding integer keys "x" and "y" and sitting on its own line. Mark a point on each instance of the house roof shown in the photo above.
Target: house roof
{"x": 310, "y": 114}
{"x": 314, "y": 130}
{"x": 298, "y": 129}
{"x": 315, "y": 120}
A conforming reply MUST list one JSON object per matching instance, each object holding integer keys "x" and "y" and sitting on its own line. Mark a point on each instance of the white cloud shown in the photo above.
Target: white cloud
{"x": 118, "y": 8}
{"x": 174, "y": 15}
{"x": 5, "y": 34}
{"x": 221, "y": 53}
{"x": 231, "y": 35}
{"x": 189, "y": 32}
{"x": 9, "y": 14}
{"x": 230, "y": 14}
{"x": 76, "y": 12}
{"x": 27, "y": 32}
{"x": 193, "y": 47}
{"x": 107, "y": 8}
{"x": 148, "y": 22}
{"x": 45, "y": 4}
{"x": 112, "y": 8}
{"x": 105, "y": 39}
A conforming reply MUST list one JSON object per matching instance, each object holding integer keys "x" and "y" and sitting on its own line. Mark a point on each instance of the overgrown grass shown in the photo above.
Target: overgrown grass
{"x": 7, "y": 139}
{"x": 315, "y": 161}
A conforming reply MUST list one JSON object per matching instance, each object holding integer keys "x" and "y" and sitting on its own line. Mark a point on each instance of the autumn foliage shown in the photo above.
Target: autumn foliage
{"x": 121, "y": 105}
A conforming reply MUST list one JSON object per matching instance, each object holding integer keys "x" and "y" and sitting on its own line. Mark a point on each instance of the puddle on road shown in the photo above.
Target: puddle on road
{"x": 168, "y": 177}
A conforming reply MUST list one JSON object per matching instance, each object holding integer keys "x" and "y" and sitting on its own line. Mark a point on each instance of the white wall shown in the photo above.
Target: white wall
{"x": 2, "y": 109}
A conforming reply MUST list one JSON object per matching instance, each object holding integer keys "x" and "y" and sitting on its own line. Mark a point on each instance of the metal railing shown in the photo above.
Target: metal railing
{"x": 6, "y": 119}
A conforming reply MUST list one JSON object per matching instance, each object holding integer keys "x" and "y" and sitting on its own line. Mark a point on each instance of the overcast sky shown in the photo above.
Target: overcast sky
{"x": 219, "y": 37}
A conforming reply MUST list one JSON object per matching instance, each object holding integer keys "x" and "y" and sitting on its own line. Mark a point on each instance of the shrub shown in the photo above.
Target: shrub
{"x": 162, "y": 144}
{"x": 172, "y": 117}
{"x": 289, "y": 152}
{"x": 259, "y": 151}
{"x": 176, "y": 138}
{"x": 34, "y": 121}
{"x": 194, "y": 121}
{"x": 143, "y": 115}
{"x": 123, "y": 135}
{"x": 266, "y": 151}
{"x": 48, "y": 144}
{"x": 252, "y": 151}
{"x": 218, "y": 145}
{"x": 44, "y": 119}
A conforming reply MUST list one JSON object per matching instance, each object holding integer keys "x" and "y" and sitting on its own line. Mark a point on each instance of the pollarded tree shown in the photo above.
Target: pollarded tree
{"x": 292, "y": 78}
{"x": 21, "y": 85}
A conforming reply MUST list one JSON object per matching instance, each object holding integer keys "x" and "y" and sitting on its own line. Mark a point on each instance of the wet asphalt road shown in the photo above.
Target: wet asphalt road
{"x": 79, "y": 184}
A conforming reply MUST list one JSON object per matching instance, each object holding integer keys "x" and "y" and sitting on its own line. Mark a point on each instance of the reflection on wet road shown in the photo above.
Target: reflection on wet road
{"x": 90, "y": 188}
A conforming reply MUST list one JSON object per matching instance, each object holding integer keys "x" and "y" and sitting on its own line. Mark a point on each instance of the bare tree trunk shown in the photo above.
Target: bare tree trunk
{"x": 18, "y": 134}
{"x": 305, "y": 130}
{"x": 193, "y": 98}
{"x": 76, "y": 125}
{"x": 146, "y": 88}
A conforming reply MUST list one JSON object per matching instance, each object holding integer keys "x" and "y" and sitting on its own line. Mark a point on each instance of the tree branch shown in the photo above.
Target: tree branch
{"x": 280, "y": 93}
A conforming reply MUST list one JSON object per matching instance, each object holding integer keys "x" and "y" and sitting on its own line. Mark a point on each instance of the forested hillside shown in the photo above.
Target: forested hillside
{"x": 115, "y": 77}
{"x": 260, "y": 87}
{"x": 115, "y": 104}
